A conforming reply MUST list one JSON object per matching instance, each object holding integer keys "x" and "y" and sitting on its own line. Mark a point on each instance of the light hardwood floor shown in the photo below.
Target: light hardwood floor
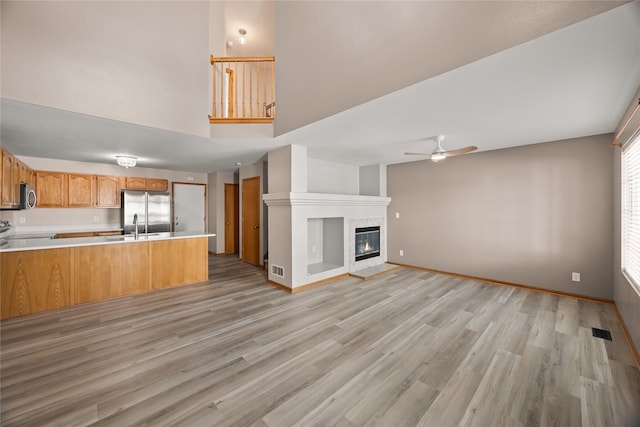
{"x": 407, "y": 348}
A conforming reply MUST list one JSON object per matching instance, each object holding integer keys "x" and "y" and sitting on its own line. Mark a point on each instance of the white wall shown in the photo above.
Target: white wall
{"x": 217, "y": 181}
{"x": 295, "y": 214}
{"x": 138, "y": 62}
{"x": 212, "y": 218}
{"x": 94, "y": 217}
{"x": 331, "y": 177}
{"x": 373, "y": 180}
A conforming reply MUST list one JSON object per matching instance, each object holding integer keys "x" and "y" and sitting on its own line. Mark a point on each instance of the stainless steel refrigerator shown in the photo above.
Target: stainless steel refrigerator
{"x": 153, "y": 209}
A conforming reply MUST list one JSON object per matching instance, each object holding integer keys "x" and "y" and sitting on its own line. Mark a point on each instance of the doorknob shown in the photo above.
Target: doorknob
{"x": 256, "y": 227}
{"x": 228, "y": 223}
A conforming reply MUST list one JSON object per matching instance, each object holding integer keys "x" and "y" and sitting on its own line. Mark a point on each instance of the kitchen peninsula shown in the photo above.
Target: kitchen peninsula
{"x": 44, "y": 274}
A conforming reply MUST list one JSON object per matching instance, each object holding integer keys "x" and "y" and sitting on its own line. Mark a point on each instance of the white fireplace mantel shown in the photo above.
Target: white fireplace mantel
{"x": 323, "y": 199}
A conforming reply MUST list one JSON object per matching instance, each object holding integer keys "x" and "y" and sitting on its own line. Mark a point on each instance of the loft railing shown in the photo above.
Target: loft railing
{"x": 243, "y": 90}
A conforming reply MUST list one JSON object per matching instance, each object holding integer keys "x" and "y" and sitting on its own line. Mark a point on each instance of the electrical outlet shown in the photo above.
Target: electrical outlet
{"x": 401, "y": 252}
{"x": 313, "y": 248}
{"x": 575, "y": 277}
{"x": 22, "y": 220}
{"x": 397, "y": 215}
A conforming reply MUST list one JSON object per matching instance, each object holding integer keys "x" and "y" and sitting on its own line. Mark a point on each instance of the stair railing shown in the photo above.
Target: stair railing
{"x": 243, "y": 89}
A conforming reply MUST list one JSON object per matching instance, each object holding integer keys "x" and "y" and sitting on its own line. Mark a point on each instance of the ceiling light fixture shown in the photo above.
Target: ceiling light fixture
{"x": 126, "y": 161}
{"x": 243, "y": 33}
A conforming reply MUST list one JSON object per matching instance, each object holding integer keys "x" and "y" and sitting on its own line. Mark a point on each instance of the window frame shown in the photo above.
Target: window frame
{"x": 630, "y": 211}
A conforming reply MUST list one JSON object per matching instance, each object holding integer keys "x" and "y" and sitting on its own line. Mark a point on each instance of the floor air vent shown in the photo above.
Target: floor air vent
{"x": 276, "y": 270}
{"x": 601, "y": 333}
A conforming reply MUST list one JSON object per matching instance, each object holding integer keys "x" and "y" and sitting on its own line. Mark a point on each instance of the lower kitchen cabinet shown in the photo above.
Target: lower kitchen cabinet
{"x": 178, "y": 262}
{"x": 39, "y": 280}
{"x": 109, "y": 271}
{"x": 34, "y": 281}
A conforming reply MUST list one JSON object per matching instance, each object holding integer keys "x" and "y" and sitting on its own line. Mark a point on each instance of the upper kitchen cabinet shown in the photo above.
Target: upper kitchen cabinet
{"x": 10, "y": 180}
{"x": 13, "y": 173}
{"x": 27, "y": 175}
{"x": 81, "y": 190}
{"x": 51, "y": 189}
{"x": 76, "y": 190}
{"x": 154, "y": 184}
{"x": 157, "y": 184}
{"x": 107, "y": 192}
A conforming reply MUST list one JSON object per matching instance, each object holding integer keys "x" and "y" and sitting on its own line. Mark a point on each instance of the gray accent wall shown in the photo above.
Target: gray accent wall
{"x": 530, "y": 215}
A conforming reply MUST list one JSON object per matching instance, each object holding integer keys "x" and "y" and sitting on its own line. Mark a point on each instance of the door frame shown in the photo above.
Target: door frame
{"x": 173, "y": 208}
{"x": 236, "y": 217}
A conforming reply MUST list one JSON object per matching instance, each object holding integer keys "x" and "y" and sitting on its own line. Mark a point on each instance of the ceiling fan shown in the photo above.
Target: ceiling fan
{"x": 439, "y": 153}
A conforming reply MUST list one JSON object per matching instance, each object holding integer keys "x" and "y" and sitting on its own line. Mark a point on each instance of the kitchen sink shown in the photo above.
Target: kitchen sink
{"x": 141, "y": 236}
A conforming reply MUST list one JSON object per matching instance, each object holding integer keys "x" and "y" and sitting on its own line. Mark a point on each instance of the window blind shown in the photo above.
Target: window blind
{"x": 631, "y": 211}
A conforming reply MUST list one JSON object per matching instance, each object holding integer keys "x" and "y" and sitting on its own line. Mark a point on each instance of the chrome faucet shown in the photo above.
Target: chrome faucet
{"x": 135, "y": 226}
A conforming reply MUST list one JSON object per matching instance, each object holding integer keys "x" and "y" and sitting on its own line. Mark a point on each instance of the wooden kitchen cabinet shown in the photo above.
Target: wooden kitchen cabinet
{"x": 34, "y": 281}
{"x": 81, "y": 190}
{"x": 10, "y": 180}
{"x": 76, "y": 190}
{"x": 45, "y": 279}
{"x": 157, "y": 184}
{"x": 51, "y": 189}
{"x": 107, "y": 192}
{"x": 135, "y": 183}
{"x": 108, "y": 271}
{"x": 23, "y": 172}
{"x": 154, "y": 184}
{"x": 13, "y": 173}
{"x": 190, "y": 254}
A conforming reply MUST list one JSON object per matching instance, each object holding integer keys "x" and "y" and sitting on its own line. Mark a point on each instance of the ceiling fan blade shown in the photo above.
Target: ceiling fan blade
{"x": 417, "y": 154}
{"x": 459, "y": 151}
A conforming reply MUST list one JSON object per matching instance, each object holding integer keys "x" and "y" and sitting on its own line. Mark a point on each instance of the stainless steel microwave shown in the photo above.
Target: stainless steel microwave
{"x": 27, "y": 196}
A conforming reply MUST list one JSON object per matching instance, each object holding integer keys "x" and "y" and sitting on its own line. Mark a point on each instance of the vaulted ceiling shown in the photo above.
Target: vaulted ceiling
{"x": 362, "y": 82}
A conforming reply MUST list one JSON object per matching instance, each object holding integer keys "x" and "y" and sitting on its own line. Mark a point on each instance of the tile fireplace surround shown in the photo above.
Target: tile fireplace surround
{"x": 370, "y": 262}
{"x": 290, "y": 212}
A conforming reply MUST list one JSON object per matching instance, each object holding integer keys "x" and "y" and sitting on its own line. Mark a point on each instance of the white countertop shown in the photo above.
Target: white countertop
{"x": 17, "y": 244}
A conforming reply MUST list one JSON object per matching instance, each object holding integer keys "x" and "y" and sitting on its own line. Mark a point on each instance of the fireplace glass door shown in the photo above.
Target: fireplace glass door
{"x": 367, "y": 242}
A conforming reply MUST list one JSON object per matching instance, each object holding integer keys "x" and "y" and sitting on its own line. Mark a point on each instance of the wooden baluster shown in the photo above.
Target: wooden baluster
{"x": 214, "y": 89}
{"x": 235, "y": 91}
{"x": 258, "y": 88}
{"x": 243, "y": 92}
{"x": 264, "y": 65}
{"x": 273, "y": 86}
{"x": 251, "y": 90}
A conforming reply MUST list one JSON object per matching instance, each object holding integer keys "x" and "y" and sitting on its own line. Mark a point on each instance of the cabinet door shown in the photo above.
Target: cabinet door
{"x": 107, "y": 192}
{"x": 34, "y": 281}
{"x": 51, "y": 189}
{"x": 135, "y": 183}
{"x": 23, "y": 172}
{"x": 81, "y": 190}
{"x": 32, "y": 178}
{"x": 10, "y": 176}
{"x": 157, "y": 184}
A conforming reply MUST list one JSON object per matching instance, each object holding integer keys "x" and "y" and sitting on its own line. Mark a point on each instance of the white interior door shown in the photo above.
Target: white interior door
{"x": 189, "y": 207}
